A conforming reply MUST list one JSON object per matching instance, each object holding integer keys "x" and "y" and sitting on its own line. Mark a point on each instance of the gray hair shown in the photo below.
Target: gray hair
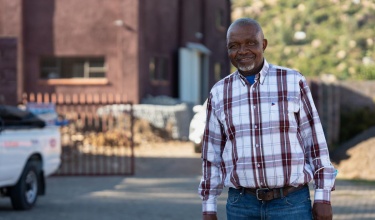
{"x": 245, "y": 22}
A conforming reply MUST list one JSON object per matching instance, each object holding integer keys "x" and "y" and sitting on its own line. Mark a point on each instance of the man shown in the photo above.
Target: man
{"x": 263, "y": 138}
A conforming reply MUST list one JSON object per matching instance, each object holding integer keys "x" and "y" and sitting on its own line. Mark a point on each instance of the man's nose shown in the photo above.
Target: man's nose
{"x": 243, "y": 49}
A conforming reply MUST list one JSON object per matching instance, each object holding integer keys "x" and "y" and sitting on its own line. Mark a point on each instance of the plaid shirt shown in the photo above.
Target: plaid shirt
{"x": 265, "y": 135}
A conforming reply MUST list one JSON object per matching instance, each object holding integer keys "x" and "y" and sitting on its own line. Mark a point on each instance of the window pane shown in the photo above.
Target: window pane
{"x": 97, "y": 74}
{"x": 49, "y": 62}
{"x": 217, "y": 71}
{"x": 96, "y": 62}
{"x": 78, "y": 69}
{"x": 220, "y": 18}
{"x": 50, "y": 73}
{"x": 49, "y": 68}
{"x": 158, "y": 68}
{"x": 152, "y": 66}
{"x": 163, "y": 69}
{"x": 72, "y": 67}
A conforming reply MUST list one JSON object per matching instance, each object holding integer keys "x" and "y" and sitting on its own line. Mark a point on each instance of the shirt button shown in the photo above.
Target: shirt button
{"x": 254, "y": 106}
{"x": 257, "y": 145}
{"x": 255, "y": 126}
{"x": 258, "y": 165}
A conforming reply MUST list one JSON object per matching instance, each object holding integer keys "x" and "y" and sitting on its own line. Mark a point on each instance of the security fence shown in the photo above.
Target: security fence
{"x": 92, "y": 143}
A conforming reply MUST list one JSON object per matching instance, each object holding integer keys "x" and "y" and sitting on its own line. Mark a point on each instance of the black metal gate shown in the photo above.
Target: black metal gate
{"x": 96, "y": 140}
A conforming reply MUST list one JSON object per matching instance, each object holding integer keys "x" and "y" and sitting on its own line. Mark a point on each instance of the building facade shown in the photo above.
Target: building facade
{"x": 134, "y": 47}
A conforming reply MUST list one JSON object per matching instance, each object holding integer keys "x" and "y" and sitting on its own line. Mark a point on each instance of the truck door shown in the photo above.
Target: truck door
{"x": 14, "y": 150}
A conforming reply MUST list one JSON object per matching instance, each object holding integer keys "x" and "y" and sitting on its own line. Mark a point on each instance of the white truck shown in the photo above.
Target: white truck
{"x": 29, "y": 152}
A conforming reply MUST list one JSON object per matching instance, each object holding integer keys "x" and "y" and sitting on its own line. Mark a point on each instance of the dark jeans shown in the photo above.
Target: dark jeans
{"x": 297, "y": 205}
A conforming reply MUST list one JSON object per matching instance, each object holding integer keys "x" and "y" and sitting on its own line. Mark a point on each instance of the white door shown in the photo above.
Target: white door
{"x": 193, "y": 74}
{"x": 189, "y": 80}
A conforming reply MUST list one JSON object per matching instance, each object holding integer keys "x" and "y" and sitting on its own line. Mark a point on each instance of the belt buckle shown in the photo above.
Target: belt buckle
{"x": 262, "y": 190}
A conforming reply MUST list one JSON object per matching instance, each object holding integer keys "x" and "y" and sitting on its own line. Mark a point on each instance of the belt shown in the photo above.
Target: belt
{"x": 266, "y": 194}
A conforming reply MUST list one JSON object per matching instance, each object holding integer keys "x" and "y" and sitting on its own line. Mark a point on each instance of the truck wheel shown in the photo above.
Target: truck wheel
{"x": 25, "y": 193}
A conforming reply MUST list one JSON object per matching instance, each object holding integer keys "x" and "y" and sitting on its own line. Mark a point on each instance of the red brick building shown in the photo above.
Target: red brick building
{"x": 134, "y": 47}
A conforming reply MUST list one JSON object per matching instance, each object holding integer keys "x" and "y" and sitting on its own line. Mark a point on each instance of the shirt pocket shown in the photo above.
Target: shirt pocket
{"x": 284, "y": 114}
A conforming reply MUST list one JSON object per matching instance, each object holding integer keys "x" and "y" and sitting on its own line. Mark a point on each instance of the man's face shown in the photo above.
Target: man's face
{"x": 245, "y": 48}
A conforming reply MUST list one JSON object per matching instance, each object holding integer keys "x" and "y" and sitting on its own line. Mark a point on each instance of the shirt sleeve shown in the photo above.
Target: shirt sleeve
{"x": 211, "y": 184}
{"x": 315, "y": 144}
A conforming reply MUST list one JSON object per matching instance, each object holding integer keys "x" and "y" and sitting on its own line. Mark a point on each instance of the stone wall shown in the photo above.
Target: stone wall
{"x": 357, "y": 94}
{"x": 332, "y": 98}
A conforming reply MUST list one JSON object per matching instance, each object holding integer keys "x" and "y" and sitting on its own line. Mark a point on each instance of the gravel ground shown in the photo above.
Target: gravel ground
{"x": 163, "y": 188}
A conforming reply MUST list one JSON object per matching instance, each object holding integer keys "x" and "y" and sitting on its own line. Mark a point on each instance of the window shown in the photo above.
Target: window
{"x": 158, "y": 68}
{"x": 217, "y": 71}
{"x": 220, "y": 20}
{"x": 72, "y": 67}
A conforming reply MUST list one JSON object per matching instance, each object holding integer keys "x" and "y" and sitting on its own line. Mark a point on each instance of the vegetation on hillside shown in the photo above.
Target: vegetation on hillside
{"x": 317, "y": 36}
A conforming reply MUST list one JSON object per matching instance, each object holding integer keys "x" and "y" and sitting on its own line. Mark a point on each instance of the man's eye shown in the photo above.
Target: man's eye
{"x": 233, "y": 46}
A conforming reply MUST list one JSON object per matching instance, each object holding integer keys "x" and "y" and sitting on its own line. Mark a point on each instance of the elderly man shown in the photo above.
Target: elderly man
{"x": 263, "y": 138}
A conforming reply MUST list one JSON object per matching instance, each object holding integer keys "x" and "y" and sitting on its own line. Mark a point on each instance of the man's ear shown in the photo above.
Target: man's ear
{"x": 265, "y": 42}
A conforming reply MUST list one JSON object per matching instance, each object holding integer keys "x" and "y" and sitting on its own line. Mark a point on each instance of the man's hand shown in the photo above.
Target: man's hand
{"x": 209, "y": 217}
{"x": 322, "y": 211}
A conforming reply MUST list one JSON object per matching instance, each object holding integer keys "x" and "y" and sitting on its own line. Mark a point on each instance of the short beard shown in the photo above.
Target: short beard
{"x": 246, "y": 68}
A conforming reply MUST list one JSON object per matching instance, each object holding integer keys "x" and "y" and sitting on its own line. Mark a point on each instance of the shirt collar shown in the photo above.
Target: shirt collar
{"x": 261, "y": 76}
{"x": 263, "y": 72}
